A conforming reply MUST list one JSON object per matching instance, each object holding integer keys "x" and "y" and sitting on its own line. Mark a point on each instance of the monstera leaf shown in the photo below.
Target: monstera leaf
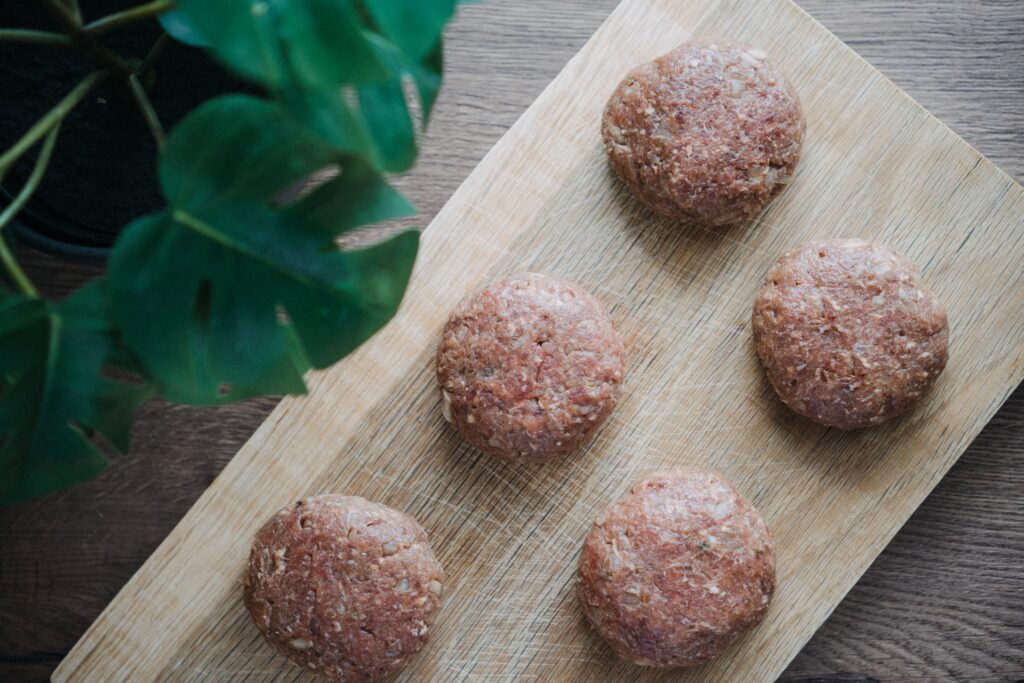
{"x": 53, "y": 395}
{"x": 182, "y": 29}
{"x": 353, "y": 97}
{"x": 277, "y": 41}
{"x": 239, "y": 286}
{"x": 252, "y": 292}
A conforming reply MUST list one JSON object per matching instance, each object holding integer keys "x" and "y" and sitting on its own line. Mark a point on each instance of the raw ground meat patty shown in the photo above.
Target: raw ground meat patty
{"x": 672, "y": 573}
{"x": 848, "y": 333}
{"x": 529, "y": 367}
{"x": 708, "y": 133}
{"x": 343, "y": 586}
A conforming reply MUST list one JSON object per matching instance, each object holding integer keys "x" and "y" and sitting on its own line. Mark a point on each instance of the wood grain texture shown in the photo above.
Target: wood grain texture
{"x": 945, "y": 600}
{"x": 875, "y": 164}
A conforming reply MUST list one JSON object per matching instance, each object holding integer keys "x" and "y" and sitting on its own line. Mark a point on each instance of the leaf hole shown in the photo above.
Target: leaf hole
{"x": 97, "y": 439}
{"x": 413, "y": 105}
{"x": 283, "y": 318}
{"x": 117, "y": 373}
{"x": 351, "y": 97}
{"x": 301, "y": 189}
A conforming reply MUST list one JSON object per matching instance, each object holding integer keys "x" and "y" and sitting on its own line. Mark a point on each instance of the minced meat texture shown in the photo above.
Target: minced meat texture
{"x": 529, "y": 367}
{"x": 675, "y": 571}
{"x": 709, "y": 133}
{"x": 848, "y": 333}
{"x": 343, "y": 586}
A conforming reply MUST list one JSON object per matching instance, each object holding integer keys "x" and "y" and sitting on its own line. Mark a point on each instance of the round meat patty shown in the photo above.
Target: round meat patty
{"x": 675, "y": 571}
{"x": 848, "y": 333}
{"x": 343, "y": 586}
{"x": 708, "y": 133}
{"x": 529, "y": 367}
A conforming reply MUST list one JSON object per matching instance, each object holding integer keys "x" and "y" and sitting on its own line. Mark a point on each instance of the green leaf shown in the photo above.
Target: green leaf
{"x": 237, "y": 145}
{"x": 390, "y": 126}
{"x": 384, "y": 111}
{"x": 325, "y": 114}
{"x": 228, "y": 294}
{"x": 334, "y": 318}
{"x": 427, "y": 76}
{"x": 379, "y": 128}
{"x": 307, "y": 52}
{"x": 358, "y": 196}
{"x": 54, "y": 395}
{"x": 415, "y": 26}
{"x": 182, "y": 29}
{"x": 320, "y": 43}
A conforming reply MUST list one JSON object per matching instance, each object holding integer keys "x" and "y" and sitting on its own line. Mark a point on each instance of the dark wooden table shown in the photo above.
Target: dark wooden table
{"x": 945, "y": 601}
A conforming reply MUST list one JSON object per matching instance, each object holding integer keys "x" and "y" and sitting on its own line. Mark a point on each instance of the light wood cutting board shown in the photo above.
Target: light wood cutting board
{"x": 875, "y": 165}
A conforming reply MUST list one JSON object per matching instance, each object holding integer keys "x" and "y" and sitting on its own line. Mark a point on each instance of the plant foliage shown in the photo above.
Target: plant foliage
{"x": 55, "y": 396}
{"x": 238, "y": 287}
{"x": 249, "y": 260}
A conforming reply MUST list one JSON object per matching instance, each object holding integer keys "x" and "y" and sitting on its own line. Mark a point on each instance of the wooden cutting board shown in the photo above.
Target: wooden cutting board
{"x": 875, "y": 165}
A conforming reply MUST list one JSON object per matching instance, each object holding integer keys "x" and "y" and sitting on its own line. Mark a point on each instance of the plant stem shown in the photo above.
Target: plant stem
{"x": 147, "y": 110}
{"x": 52, "y": 118}
{"x": 73, "y": 6}
{"x": 71, "y": 22}
{"x": 67, "y": 17}
{"x": 154, "y": 53}
{"x": 24, "y": 35}
{"x": 109, "y": 23}
{"x": 16, "y": 273}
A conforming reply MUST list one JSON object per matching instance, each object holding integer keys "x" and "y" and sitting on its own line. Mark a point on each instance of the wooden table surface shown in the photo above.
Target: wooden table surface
{"x": 945, "y": 601}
